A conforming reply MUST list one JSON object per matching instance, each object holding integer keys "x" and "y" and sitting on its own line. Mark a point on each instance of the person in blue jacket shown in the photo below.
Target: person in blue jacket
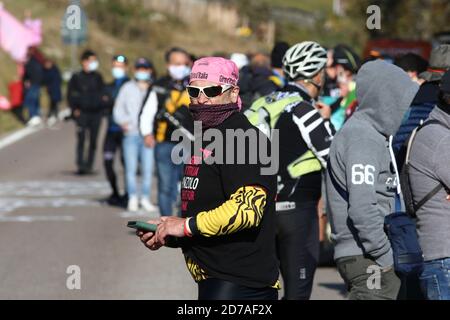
{"x": 52, "y": 80}
{"x": 424, "y": 102}
{"x": 114, "y": 135}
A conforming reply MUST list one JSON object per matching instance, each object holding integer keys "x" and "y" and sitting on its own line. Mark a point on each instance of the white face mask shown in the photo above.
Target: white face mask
{"x": 179, "y": 72}
{"x": 93, "y": 65}
{"x": 342, "y": 78}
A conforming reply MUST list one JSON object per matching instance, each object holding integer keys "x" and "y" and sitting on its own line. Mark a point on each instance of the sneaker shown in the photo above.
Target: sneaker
{"x": 123, "y": 201}
{"x": 51, "y": 121}
{"x": 147, "y": 205}
{"x": 133, "y": 204}
{"x": 34, "y": 121}
{"x": 113, "y": 200}
{"x": 64, "y": 114}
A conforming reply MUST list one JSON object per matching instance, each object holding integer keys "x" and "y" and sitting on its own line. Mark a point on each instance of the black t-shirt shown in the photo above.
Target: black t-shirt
{"x": 246, "y": 257}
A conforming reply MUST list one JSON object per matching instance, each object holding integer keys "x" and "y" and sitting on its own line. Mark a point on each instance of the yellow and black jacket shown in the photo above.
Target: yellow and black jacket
{"x": 231, "y": 207}
{"x": 172, "y": 98}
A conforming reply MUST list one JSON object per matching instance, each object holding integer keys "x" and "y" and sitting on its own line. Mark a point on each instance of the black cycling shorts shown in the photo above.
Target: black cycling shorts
{"x": 217, "y": 289}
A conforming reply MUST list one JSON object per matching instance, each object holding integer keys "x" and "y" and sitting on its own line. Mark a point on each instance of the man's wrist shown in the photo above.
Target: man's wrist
{"x": 192, "y": 224}
{"x": 187, "y": 229}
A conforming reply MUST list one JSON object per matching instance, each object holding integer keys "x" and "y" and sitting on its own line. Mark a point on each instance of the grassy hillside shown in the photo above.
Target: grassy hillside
{"x": 306, "y": 5}
{"x": 156, "y": 38}
{"x": 129, "y": 29}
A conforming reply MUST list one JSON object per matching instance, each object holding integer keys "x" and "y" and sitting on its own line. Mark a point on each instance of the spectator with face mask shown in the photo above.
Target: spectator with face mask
{"x": 172, "y": 102}
{"x": 114, "y": 135}
{"x": 85, "y": 94}
{"x": 330, "y": 92}
{"x": 137, "y": 148}
{"x": 346, "y": 63}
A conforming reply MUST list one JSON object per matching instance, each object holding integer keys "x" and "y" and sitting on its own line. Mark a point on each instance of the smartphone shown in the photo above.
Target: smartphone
{"x": 142, "y": 226}
{"x": 171, "y": 242}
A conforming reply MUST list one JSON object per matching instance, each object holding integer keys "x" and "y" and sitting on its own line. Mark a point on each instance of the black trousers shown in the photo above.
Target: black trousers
{"x": 112, "y": 143}
{"x": 298, "y": 249}
{"x": 53, "y": 109}
{"x": 88, "y": 125}
{"x": 217, "y": 289}
{"x": 18, "y": 113}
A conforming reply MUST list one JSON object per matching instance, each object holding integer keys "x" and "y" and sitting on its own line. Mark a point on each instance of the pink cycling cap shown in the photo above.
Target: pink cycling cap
{"x": 215, "y": 69}
{"x": 218, "y": 70}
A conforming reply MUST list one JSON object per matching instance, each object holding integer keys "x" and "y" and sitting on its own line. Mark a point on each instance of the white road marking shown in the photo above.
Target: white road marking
{"x": 22, "y": 133}
{"x": 36, "y": 218}
{"x": 53, "y": 188}
{"x": 17, "y": 135}
{"x": 16, "y": 196}
{"x": 8, "y": 205}
{"x": 49, "y": 194}
{"x": 138, "y": 214}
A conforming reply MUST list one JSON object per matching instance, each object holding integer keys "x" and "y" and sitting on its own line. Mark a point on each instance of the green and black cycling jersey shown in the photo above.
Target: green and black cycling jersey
{"x": 304, "y": 141}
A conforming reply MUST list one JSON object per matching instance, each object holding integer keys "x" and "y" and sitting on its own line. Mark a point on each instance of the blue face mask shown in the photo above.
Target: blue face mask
{"x": 142, "y": 76}
{"x": 118, "y": 73}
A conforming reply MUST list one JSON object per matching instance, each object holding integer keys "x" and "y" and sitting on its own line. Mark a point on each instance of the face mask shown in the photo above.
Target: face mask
{"x": 93, "y": 65}
{"x": 179, "y": 72}
{"x": 118, "y": 73}
{"x": 142, "y": 76}
{"x": 211, "y": 115}
{"x": 342, "y": 79}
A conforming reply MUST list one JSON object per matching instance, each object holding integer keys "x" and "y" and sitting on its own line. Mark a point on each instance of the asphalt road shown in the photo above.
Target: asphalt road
{"x": 58, "y": 241}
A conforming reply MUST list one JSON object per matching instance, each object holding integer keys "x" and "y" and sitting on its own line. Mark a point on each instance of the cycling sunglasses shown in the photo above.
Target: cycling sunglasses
{"x": 210, "y": 92}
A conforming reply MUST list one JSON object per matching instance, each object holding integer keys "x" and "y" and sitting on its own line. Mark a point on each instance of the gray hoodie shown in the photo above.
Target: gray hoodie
{"x": 361, "y": 178}
{"x": 430, "y": 165}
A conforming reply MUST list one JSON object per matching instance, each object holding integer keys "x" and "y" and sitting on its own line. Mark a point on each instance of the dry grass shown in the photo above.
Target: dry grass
{"x": 197, "y": 38}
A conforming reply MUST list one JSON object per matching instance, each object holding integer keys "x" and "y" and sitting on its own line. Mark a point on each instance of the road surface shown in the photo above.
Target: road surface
{"x": 58, "y": 241}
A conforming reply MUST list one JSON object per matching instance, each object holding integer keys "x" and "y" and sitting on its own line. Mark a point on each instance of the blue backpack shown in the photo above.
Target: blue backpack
{"x": 402, "y": 233}
{"x": 400, "y": 226}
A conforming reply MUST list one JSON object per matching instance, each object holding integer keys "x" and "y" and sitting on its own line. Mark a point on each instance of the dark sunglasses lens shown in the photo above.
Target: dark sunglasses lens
{"x": 193, "y": 92}
{"x": 212, "y": 92}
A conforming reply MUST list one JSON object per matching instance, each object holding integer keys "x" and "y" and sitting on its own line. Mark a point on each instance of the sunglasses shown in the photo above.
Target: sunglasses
{"x": 209, "y": 92}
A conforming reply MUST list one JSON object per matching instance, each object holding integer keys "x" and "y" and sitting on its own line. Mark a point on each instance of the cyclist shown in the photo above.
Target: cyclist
{"x": 304, "y": 138}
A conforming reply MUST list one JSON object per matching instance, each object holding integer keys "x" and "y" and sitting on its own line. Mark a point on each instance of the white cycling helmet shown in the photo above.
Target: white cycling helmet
{"x": 304, "y": 60}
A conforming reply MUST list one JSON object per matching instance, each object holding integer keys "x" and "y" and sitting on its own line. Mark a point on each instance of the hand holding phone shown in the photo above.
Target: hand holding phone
{"x": 142, "y": 226}
{"x": 171, "y": 242}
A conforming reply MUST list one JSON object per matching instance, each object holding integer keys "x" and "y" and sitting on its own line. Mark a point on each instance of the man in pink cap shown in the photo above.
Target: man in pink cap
{"x": 227, "y": 227}
{"x": 213, "y": 90}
